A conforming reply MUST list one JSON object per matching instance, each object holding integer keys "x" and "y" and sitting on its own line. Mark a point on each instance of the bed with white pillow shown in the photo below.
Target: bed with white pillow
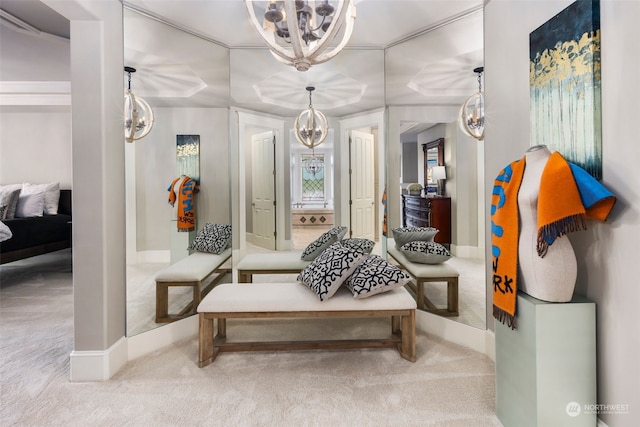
{"x": 38, "y": 217}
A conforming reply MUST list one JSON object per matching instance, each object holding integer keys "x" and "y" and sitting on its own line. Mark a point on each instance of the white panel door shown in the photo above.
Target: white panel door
{"x": 361, "y": 159}
{"x": 263, "y": 190}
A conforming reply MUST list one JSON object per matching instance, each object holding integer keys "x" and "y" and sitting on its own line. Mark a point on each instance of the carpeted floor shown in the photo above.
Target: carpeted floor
{"x": 448, "y": 385}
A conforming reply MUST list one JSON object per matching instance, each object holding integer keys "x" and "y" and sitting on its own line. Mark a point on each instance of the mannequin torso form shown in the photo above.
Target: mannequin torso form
{"x": 553, "y": 277}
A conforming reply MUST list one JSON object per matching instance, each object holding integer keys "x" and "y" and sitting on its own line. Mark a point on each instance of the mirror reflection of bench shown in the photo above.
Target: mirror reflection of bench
{"x": 278, "y": 262}
{"x": 428, "y": 273}
{"x": 195, "y": 271}
{"x": 294, "y": 300}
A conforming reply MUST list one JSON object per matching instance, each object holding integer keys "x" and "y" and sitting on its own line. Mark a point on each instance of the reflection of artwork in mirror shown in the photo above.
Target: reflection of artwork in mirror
{"x": 313, "y": 177}
{"x": 566, "y": 112}
{"x": 188, "y": 156}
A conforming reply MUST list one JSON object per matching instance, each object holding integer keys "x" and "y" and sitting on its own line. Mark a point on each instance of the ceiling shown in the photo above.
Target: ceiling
{"x": 207, "y": 54}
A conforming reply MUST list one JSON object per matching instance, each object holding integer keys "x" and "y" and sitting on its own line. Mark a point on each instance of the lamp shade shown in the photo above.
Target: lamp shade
{"x": 438, "y": 173}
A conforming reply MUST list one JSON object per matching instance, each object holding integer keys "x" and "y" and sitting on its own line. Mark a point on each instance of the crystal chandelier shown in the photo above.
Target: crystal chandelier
{"x": 138, "y": 115}
{"x": 311, "y": 126}
{"x": 300, "y": 33}
{"x": 472, "y": 111}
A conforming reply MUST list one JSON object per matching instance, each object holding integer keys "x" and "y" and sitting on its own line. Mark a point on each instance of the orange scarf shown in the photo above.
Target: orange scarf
{"x": 568, "y": 196}
{"x": 186, "y": 202}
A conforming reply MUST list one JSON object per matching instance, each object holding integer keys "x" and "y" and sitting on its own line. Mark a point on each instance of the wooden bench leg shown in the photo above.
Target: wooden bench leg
{"x": 452, "y": 296}
{"x": 222, "y": 327}
{"x": 197, "y": 295}
{"x": 420, "y": 294}
{"x": 162, "y": 301}
{"x": 206, "y": 343}
{"x": 244, "y": 277}
{"x": 407, "y": 347}
{"x": 396, "y": 325}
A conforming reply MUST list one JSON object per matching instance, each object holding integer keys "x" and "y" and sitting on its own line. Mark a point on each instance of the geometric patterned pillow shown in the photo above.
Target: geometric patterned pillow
{"x": 316, "y": 247}
{"x": 330, "y": 269}
{"x": 375, "y": 276}
{"x": 426, "y": 252}
{"x": 361, "y": 245}
{"x": 402, "y": 235}
{"x": 3, "y": 211}
{"x": 213, "y": 238}
{"x": 339, "y": 230}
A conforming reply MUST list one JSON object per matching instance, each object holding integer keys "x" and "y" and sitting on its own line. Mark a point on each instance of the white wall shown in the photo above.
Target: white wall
{"x": 607, "y": 273}
{"x": 35, "y": 133}
{"x": 156, "y": 168}
{"x": 35, "y": 146}
{"x": 31, "y": 57}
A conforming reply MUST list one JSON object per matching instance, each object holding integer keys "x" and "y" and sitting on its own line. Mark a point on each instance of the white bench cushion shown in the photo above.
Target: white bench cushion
{"x": 420, "y": 270}
{"x": 195, "y": 267}
{"x": 283, "y": 297}
{"x": 278, "y": 260}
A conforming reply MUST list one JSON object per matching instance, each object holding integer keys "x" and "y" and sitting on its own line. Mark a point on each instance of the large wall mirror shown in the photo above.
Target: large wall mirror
{"x": 399, "y": 88}
{"x": 423, "y": 107}
{"x": 185, "y": 79}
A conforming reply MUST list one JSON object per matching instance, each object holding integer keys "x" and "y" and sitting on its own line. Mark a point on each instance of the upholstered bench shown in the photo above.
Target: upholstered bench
{"x": 294, "y": 300}
{"x": 278, "y": 262}
{"x": 189, "y": 271}
{"x": 423, "y": 273}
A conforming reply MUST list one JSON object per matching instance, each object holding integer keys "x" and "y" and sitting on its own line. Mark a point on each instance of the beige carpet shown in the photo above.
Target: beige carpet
{"x": 448, "y": 385}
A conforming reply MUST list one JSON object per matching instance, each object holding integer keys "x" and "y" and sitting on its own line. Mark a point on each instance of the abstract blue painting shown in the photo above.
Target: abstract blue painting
{"x": 188, "y": 156}
{"x": 564, "y": 75}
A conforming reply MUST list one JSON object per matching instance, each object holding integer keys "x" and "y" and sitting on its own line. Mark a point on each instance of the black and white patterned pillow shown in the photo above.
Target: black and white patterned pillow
{"x": 339, "y": 230}
{"x": 425, "y": 252}
{"x": 358, "y": 244}
{"x": 316, "y": 247}
{"x": 375, "y": 276}
{"x": 213, "y": 238}
{"x": 3, "y": 211}
{"x": 330, "y": 269}
{"x": 402, "y": 235}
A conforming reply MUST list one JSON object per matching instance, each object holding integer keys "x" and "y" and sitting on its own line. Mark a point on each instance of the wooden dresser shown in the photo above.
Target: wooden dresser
{"x": 418, "y": 211}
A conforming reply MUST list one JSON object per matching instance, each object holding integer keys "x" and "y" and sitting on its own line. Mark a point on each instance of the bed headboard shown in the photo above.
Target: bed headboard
{"x": 64, "y": 205}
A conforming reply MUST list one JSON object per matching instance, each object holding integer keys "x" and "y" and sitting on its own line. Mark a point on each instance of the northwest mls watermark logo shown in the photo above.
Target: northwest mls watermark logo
{"x": 574, "y": 409}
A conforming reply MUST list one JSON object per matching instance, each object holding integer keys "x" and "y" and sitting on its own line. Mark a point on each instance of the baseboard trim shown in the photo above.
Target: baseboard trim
{"x": 155, "y": 339}
{"x": 455, "y": 332}
{"x": 98, "y": 365}
{"x": 467, "y": 251}
{"x": 490, "y": 344}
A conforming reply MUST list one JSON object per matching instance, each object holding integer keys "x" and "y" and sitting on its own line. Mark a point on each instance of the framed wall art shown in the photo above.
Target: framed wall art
{"x": 564, "y": 75}
{"x": 188, "y": 156}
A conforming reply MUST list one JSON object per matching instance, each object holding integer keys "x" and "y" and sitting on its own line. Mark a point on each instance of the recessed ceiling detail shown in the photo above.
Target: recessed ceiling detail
{"x": 450, "y": 77}
{"x": 287, "y": 89}
{"x": 161, "y": 77}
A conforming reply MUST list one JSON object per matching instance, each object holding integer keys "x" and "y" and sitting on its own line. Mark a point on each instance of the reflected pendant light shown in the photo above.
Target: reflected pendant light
{"x": 138, "y": 115}
{"x": 313, "y": 165}
{"x": 303, "y": 33}
{"x": 472, "y": 111}
{"x": 311, "y": 126}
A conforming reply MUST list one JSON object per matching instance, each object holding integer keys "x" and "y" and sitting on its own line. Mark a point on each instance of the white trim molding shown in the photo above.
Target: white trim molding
{"x": 98, "y": 365}
{"x": 32, "y": 93}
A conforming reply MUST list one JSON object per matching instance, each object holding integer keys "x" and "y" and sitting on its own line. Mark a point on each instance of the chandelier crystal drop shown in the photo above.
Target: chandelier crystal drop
{"x": 303, "y": 33}
{"x": 311, "y": 126}
{"x": 471, "y": 118}
{"x": 138, "y": 115}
